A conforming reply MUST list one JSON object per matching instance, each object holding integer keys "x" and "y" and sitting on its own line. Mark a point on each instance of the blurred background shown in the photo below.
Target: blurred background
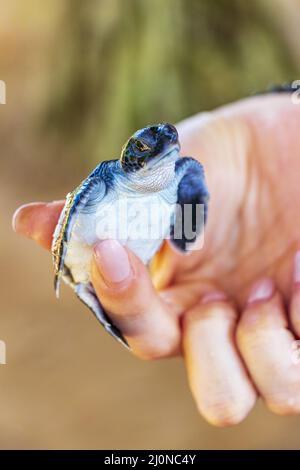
{"x": 81, "y": 76}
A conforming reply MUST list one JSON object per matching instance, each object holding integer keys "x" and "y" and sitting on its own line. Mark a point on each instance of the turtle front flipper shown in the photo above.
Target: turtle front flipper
{"x": 87, "y": 295}
{"x": 192, "y": 203}
{"x": 60, "y": 240}
{"x": 289, "y": 87}
{"x": 83, "y": 199}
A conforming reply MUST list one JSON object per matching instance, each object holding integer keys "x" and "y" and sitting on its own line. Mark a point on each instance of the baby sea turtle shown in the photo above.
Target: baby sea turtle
{"x": 146, "y": 191}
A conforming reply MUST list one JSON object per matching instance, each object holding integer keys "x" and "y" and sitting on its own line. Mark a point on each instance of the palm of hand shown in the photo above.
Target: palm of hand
{"x": 253, "y": 165}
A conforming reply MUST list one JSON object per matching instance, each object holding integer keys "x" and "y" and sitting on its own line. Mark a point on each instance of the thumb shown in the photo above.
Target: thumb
{"x": 124, "y": 288}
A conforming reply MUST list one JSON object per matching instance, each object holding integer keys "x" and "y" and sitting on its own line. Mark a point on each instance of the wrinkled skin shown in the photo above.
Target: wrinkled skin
{"x": 232, "y": 308}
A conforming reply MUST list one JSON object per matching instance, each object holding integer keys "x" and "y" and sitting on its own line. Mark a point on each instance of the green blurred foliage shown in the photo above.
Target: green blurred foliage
{"x": 122, "y": 64}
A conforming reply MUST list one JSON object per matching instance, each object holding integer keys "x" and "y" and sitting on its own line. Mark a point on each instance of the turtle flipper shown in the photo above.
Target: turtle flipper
{"x": 87, "y": 295}
{"x": 289, "y": 87}
{"x": 83, "y": 199}
{"x": 192, "y": 203}
{"x": 59, "y": 243}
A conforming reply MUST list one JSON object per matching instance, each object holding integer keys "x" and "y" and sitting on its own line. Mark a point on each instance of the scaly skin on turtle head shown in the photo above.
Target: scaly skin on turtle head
{"x": 149, "y": 146}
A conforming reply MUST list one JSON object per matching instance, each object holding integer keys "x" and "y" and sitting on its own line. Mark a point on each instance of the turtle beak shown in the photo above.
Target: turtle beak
{"x": 170, "y": 133}
{"x": 170, "y": 155}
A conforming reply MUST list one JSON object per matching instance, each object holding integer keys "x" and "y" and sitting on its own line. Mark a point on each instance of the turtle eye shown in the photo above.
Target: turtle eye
{"x": 141, "y": 146}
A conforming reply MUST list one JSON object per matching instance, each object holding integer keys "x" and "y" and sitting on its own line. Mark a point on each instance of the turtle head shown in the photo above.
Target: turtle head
{"x": 150, "y": 147}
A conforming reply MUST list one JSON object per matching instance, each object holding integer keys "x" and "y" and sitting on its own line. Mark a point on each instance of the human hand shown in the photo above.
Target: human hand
{"x": 236, "y": 335}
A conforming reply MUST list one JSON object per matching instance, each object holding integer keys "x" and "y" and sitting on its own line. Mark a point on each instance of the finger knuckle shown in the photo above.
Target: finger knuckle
{"x": 250, "y": 325}
{"x": 210, "y": 311}
{"x": 155, "y": 350}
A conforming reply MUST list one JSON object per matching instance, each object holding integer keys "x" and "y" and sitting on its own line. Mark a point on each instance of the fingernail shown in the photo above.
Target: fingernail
{"x": 262, "y": 290}
{"x": 214, "y": 296}
{"x": 19, "y": 220}
{"x": 297, "y": 268}
{"x": 112, "y": 260}
{"x": 14, "y": 220}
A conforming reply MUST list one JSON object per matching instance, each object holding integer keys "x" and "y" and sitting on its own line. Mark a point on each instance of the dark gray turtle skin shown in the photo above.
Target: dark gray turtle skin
{"x": 151, "y": 172}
